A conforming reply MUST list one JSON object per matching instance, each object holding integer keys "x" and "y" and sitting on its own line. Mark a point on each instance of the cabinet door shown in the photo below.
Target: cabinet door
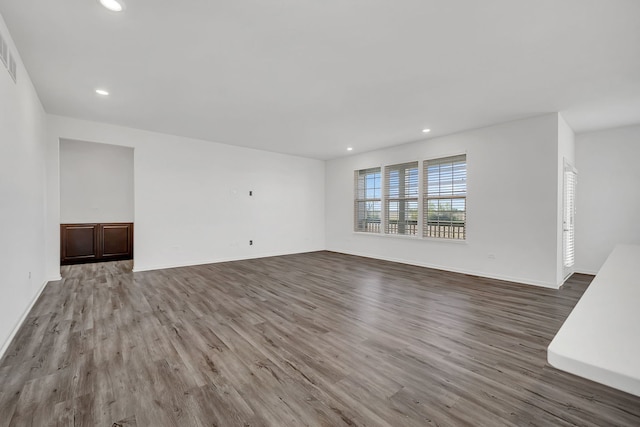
{"x": 78, "y": 243}
{"x": 117, "y": 241}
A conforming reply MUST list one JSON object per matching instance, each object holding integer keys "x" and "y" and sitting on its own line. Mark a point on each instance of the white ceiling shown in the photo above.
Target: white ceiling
{"x": 313, "y": 77}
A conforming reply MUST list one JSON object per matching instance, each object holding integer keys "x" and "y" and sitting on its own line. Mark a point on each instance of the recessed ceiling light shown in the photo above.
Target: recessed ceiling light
{"x": 102, "y": 92}
{"x": 349, "y": 148}
{"x": 426, "y": 130}
{"x": 113, "y": 5}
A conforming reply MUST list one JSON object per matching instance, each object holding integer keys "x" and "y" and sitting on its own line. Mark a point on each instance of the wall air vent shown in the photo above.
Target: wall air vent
{"x": 12, "y": 67}
{"x": 7, "y": 58}
{"x": 4, "y": 51}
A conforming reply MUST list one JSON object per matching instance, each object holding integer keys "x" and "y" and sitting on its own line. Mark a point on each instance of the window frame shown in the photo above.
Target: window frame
{"x": 454, "y": 193}
{"x": 406, "y": 195}
{"x": 360, "y": 198}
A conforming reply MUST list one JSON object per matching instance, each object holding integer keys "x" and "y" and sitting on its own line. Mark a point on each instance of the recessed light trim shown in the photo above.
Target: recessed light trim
{"x": 113, "y": 5}
{"x": 426, "y": 130}
{"x": 102, "y": 92}
{"x": 349, "y": 148}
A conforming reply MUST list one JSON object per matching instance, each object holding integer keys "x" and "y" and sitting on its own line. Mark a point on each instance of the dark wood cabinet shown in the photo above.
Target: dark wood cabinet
{"x": 79, "y": 243}
{"x": 116, "y": 241}
{"x": 95, "y": 242}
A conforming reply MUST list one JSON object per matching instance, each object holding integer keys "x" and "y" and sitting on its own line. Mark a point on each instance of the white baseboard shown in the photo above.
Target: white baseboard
{"x": 137, "y": 269}
{"x": 12, "y": 335}
{"x": 519, "y": 280}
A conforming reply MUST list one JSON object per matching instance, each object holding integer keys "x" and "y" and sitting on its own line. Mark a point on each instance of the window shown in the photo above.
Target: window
{"x": 367, "y": 200}
{"x": 401, "y": 199}
{"x": 445, "y": 197}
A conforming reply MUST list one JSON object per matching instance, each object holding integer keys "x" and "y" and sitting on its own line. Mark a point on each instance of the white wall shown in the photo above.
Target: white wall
{"x": 22, "y": 139}
{"x": 608, "y": 194}
{"x": 96, "y": 182}
{"x": 192, "y": 202}
{"x": 566, "y": 151}
{"x": 511, "y": 205}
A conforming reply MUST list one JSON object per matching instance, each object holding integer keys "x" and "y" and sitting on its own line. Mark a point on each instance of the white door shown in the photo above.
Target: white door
{"x": 568, "y": 219}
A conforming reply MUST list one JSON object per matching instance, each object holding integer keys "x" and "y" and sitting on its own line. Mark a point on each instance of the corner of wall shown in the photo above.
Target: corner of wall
{"x": 52, "y": 201}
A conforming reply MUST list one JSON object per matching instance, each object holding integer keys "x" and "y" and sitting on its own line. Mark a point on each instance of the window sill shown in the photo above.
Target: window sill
{"x": 409, "y": 237}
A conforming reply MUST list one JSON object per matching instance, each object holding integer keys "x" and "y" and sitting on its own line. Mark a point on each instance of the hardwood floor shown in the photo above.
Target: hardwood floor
{"x": 318, "y": 339}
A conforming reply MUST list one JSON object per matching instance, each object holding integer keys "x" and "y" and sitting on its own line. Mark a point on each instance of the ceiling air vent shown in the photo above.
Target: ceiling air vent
{"x": 7, "y": 58}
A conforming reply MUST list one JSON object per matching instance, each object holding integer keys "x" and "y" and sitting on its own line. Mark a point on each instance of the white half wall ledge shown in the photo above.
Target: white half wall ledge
{"x": 599, "y": 340}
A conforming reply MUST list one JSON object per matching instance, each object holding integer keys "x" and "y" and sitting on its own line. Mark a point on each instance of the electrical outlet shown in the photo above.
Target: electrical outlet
{"x": 492, "y": 256}
{"x": 251, "y": 193}
{"x": 29, "y": 275}
{"x": 250, "y": 242}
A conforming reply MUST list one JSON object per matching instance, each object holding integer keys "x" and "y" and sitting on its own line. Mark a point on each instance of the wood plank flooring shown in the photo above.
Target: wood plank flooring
{"x": 318, "y": 339}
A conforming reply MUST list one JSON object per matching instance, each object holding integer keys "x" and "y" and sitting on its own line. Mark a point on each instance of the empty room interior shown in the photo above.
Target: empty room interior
{"x": 294, "y": 213}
